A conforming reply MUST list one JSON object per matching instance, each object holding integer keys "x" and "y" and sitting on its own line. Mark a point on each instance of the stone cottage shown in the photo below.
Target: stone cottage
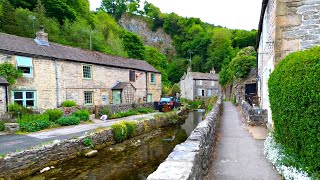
{"x": 285, "y": 26}
{"x": 196, "y": 84}
{"x": 53, "y": 73}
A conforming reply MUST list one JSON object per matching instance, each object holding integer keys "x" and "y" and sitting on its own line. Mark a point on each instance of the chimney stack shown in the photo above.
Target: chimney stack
{"x": 42, "y": 37}
{"x": 213, "y": 71}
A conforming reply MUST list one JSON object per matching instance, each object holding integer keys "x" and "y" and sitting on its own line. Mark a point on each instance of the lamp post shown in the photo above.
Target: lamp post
{"x": 33, "y": 18}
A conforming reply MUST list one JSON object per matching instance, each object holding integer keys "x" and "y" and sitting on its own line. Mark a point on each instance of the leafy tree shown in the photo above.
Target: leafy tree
{"x": 154, "y": 13}
{"x": 25, "y": 4}
{"x": 60, "y": 10}
{"x": 243, "y": 38}
{"x": 8, "y": 20}
{"x": 9, "y": 72}
{"x": 241, "y": 65}
{"x": 176, "y": 69}
{"x": 116, "y": 7}
{"x": 133, "y": 45}
{"x": 220, "y": 50}
{"x": 175, "y": 89}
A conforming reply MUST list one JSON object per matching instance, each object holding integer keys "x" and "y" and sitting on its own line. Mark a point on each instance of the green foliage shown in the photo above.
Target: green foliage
{"x": 176, "y": 69}
{"x": 15, "y": 110}
{"x": 241, "y": 65}
{"x": 209, "y": 103}
{"x": 119, "y": 132}
{"x": 145, "y": 110}
{"x": 131, "y": 128}
{"x": 68, "y": 121}
{"x": 54, "y": 114}
{"x": 105, "y": 111}
{"x": 116, "y": 7}
{"x": 194, "y": 104}
{"x": 133, "y": 45}
{"x": 294, "y": 94}
{"x": 33, "y": 123}
{"x": 9, "y": 72}
{"x": 243, "y": 38}
{"x": 131, "y": 113}
{"x": 68, "y": 103}
{"x": 87, "y": 142}
{"x": 83, "y": 114}
{"x": 175, "y": 89}
{"x": 2, "y": 127}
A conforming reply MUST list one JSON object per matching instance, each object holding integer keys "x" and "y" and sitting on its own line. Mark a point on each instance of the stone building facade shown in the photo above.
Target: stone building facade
{"x": 285, "y": 26}
{"x": 196, "y": 84}
{"x": 55, "y": 73}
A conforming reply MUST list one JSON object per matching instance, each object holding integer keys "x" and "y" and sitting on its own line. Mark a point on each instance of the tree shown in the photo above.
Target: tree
{"x": 243, "y": 38}
{"x": 133, "y": 45}
{"x": 8, "y": 20}
{"x": 175, "y": 89}
{"x": 155, "y": 14}
{"x": 176, "y": 69}
{"x": 60, "y": 10}
{"x": 116, "y": 7}
{"x": 220, "y": 50}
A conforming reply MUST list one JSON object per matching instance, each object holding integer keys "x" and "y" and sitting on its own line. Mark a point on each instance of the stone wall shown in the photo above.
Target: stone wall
{"x": 126, "y": 107}
{"x": 254, "y": 115}
{"x": 22, "y": 164}
{"x": 3, "y": 104}
{"x": 191, "y": 159}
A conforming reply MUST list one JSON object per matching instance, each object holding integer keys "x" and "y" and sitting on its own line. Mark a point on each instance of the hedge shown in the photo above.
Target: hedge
{"x": 294, "y": 92}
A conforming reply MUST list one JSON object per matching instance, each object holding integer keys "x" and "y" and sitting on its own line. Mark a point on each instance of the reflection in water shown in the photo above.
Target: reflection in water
{"x": 133, "y": 159}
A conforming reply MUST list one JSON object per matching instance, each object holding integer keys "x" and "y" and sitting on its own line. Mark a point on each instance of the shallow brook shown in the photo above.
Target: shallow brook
{"x": 133, "y": 159}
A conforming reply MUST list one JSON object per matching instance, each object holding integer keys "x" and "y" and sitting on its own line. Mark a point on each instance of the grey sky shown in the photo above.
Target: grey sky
{"x": 235, "y": 14}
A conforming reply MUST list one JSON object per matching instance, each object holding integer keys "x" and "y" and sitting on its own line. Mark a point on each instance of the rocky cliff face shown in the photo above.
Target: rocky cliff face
{"x": 158, "y": 39}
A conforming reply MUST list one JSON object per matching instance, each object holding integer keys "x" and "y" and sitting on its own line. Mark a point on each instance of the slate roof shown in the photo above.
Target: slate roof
{"x": 15, "y": 45}
{"x": 121, "y": 86}
{"x": 203, "y": 76}
{"x": 3, "y": 81}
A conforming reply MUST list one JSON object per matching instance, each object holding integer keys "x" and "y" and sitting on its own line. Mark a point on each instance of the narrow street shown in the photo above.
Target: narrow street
{"x": 237, "y": 154}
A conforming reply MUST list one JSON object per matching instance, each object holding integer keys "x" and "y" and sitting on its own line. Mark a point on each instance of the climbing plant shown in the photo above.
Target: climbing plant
{"x": 9, "y": 72}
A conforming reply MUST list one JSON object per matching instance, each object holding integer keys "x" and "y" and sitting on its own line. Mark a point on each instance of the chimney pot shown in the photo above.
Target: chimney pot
{"x": 42, "y": 37}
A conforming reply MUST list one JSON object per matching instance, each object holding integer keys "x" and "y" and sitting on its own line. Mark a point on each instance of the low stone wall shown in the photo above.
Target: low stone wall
{"x": 127, "y": 107}
{"x": 191, "y": 159}
{"x": 253, "y": 115}
{"x": 22, "y": 164}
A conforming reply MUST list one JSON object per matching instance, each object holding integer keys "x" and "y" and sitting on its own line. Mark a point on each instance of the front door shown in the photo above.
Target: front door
{"x": 116, "y": 97}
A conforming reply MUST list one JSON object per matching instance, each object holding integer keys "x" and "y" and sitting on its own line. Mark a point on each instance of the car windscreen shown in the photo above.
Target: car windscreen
{"x": 165, "y": 99}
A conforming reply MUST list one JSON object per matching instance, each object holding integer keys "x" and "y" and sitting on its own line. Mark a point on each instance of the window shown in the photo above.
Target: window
{"x": 25, "y": 65}
{"x": 209, "y": 92}
{"x": 25, "y": 98}
{"x": 212, "y": 83}
{"x": 199, "y": 92}
{"x": 200, "y": 82}
{"x": 88, "y": 98}
{"x": 153, "y": 78}
{"x": 132, "y": 76}
{"x": 87, "y": 71}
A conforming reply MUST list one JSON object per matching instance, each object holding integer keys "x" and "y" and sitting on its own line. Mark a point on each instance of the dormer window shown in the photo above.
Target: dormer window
{"x": 25, "y": 65}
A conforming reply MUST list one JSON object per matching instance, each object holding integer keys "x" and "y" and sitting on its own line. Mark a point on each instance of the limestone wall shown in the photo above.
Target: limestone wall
{"x": 126, "y": 107}
{"x": 254, "y": 116}
{"x": 22, "y": 164}
{"x": 191, "y": 159}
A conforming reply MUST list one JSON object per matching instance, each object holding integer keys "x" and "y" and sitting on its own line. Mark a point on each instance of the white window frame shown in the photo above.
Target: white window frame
{"x": 199, "y": 92}
{"x": 31, "y": 67}
{"x": 153, "y": 80}
{"x": 83, "y": 73}
{"x": 24, "y": 97}
{"x": 85, "y": 100}
{"x": 213, "y": 83}
{"x": 200, "y": 82}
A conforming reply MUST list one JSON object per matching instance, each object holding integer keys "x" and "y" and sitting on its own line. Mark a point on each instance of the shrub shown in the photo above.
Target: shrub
{"x": 131, "y": 129}
{"x": 68, "y": 103}
{"x": 68, "y": 121}
{"x": 294, "y": 94}
{"x": 88, "y": 142}
{"x": 209, "y": 103}
{"x": 33, "y": 123}
{"x": 145, "y": 110}
{"x": 54, "y": 114}
{"x": 2, "y": 127}
{"x": 83, "y": 115}
{"x": 119, "y": 132}
{"x": 16, "y": 109}
{"x": 106, "y": 111}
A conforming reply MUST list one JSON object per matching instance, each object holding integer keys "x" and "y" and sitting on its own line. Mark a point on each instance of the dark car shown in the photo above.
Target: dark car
{"x": 170, "y": 101}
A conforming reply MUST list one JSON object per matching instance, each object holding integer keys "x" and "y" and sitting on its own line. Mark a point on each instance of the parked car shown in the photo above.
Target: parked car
{"x": 170, "y": 101}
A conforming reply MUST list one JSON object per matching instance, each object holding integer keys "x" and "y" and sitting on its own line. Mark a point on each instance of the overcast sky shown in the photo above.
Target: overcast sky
{"x": 235, "y": 14}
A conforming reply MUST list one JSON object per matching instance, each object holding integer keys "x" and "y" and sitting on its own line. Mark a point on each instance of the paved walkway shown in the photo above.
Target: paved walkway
{"x": 13, "y": 142}
{"x": 238, "y": 155}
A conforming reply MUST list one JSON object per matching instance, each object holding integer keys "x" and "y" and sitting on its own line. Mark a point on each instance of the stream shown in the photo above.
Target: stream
{"x": 134, "y": 159}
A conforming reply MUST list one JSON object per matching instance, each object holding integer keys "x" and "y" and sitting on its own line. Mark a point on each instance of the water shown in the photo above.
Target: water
{"x": 133, "y": 159}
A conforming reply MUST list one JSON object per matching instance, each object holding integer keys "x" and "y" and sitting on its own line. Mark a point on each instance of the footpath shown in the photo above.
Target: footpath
{"x": 237, "y": 154}
{"x": 14, "y": 142}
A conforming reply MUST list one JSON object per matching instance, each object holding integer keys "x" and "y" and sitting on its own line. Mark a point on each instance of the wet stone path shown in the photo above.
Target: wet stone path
{"x": 238, "y": 155}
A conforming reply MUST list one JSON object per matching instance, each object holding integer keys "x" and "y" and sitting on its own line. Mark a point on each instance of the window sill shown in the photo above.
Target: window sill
{"x": 87, "y": 79}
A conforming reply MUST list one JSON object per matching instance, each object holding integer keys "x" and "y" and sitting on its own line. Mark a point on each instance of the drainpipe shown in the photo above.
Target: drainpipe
{"x": 57, "y": 82}
{"x": 7, "y": 98}
{"x": 146, "y": 86}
